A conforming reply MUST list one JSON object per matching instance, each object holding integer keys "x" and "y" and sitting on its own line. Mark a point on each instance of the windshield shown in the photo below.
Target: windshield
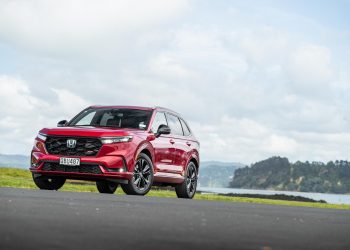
{"x": 117, "y": 118}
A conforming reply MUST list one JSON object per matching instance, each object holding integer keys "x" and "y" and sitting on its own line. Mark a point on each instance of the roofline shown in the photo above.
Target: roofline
{"x": 167, "y": 110}
{"x": 136, "y": 107}
{"x": 120, "y": 106}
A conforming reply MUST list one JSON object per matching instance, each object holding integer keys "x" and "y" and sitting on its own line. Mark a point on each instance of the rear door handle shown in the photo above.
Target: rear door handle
{"x": 172, "y": 141}
{"x": 188, "y": 143}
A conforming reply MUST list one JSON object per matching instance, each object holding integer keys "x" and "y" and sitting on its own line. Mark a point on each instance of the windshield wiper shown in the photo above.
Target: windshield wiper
{"x": 83, "y": 126}
{"x": 99, "y": 126}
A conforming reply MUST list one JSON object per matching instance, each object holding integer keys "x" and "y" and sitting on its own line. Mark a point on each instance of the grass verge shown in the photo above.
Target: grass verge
{"x": 20, "y": 178}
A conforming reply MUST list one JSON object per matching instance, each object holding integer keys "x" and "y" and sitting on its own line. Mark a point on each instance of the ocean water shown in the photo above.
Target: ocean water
{"x": 329, "y": 198}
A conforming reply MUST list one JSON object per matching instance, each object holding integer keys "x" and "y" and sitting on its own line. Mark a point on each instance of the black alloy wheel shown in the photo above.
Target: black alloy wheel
{"x": 187, "y": 189}
{"x": 142, "y": 179}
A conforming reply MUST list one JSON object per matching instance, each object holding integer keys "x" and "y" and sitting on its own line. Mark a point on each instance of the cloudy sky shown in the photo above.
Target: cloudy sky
{"x": 253, "y": 78}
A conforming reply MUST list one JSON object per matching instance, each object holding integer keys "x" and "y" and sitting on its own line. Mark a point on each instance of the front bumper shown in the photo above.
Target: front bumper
{"x": 111, "y": 167}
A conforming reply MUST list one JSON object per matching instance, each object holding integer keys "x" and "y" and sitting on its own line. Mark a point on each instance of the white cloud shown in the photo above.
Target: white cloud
{"x": 69, "y": 102}
{"x": 264, "y": 45}
{"x": 280, "y": 145}
{"x": 249, "y": 89}
{"x": 80, "y": 26}
{"x": 248, "y": 141}
{"x": 168, "y": 66}
{"x": 23, "y": 115}
{"x": 15, "y": 93}
{"x": 311, "y": 68}
{"x": 20, "y": 113}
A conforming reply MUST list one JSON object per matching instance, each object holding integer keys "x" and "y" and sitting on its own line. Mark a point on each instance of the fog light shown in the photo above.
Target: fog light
{"x": 116, "y": 170}
{"x": 34, "y": 162}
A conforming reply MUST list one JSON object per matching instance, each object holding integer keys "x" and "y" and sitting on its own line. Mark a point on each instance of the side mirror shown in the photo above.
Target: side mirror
{"x": 62, "y": 123}
{"x": 163, "y": 130}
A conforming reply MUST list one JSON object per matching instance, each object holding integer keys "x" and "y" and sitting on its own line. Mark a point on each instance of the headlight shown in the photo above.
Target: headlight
{"x": 110, "y": 140}
{"x": 42, "y": 136}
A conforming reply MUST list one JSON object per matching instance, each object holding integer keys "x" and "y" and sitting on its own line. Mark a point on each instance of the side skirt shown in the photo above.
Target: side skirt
{"x": 161, "y": 177}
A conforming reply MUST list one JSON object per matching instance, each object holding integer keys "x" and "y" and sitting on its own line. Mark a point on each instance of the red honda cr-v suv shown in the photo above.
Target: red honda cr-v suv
{"x": 136, "y": 147}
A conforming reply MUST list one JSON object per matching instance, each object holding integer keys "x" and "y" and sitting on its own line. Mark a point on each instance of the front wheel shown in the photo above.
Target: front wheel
{"x": 142, "y": 179}
{"x": 106, "y": 187}
{"x": 187, "y": 189}
{"x": 48, "y": 183}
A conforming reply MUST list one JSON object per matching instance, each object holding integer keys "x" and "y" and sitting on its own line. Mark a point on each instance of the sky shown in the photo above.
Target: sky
{"x": 254, "y": 78}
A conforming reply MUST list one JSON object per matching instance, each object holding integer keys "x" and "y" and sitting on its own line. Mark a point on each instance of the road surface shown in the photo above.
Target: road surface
{"x": 37, "y": 219}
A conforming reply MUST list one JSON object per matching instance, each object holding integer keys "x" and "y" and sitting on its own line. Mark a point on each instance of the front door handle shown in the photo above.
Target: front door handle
{"x": 172, "y": 141}
{"x": 188, "y": 143}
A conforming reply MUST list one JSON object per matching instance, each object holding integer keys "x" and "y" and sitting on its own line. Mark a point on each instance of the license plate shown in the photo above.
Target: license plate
{"x": 69, "y": 161}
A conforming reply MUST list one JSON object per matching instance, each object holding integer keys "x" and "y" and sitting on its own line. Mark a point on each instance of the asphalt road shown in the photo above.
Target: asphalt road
{"x": 36, "y": 219}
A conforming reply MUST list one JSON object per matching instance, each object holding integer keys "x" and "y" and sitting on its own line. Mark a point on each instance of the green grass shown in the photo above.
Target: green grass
{"x": 19, "y": 178}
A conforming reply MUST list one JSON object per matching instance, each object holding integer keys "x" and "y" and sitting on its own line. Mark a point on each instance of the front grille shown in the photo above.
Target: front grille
{"x": 57, "y": 145}
{"x": 83, "y": 168}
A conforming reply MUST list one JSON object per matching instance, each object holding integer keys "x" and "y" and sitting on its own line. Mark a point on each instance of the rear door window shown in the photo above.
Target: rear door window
{"x": 185, "y": 128}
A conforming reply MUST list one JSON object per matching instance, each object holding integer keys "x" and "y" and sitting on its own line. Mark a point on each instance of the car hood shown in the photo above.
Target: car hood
{"x": 89, "y": 131}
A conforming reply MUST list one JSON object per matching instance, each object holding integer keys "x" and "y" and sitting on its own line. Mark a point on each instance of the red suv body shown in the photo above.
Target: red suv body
{"x": 135, "y": 147}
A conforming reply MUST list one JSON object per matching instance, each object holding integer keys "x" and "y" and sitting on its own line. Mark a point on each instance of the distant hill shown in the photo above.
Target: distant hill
{"x": 278, "y": 173}
{"x": 14, "y": 161}
{"x": 217, "y": 174}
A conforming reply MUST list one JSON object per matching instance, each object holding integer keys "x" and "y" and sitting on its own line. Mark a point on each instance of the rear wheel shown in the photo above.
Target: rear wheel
{"x": 187, "y": 189}
{"x": 48, "y": 183}
{"x": 142, "y": 179}
{"x": 106, "y": 187}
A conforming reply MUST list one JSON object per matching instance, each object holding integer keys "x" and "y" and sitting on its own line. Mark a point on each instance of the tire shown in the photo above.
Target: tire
{"x": 187, "y": 189}
{"x": 106, "y": 187}
{"x": 142, "y": 179}
{"x": 48, "y": 183}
